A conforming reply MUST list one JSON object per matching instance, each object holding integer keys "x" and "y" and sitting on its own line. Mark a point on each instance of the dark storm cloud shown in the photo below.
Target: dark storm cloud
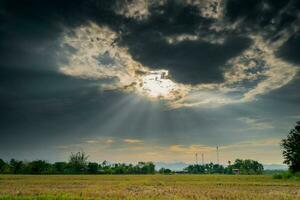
{"x": 38, "y": 103}
{"x": 38, "y": 106}
{"x": 257, "y": 14}
{"x": 254, "y": 12}
{"x": 29, "y": 29}
{"x": 290, "y": 50}
{"x": 41, "y": 106}
{"x": 189, "y": 62}
{"x": 173, "y": 17}
{"x": 270, "y": 19}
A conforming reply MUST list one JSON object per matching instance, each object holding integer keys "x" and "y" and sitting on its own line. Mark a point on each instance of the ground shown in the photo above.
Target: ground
{"x": 226, "y": 187}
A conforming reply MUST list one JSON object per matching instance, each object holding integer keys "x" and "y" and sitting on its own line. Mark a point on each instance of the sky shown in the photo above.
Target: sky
{"x": 156, "y": 80}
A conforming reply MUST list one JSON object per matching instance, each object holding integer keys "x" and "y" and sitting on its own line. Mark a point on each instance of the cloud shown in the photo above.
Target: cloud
{"x": 191, "y": 149}
{"x": 136, "y": 148}
{"x": 97, "y": 57}
{"x": 253, "y": 143}
{"x": 182, "y": 37}
{"x": 297, "y": 117}
{"x": 117, "y": 44}
{"x": 136, "y": 9}
{"x": 132, "y": 141}
{"x": 187, "y": 60}
{"x": 109, "y": 141}
{"x": 288, "y": 51}
{"x": 258, "y": 124}
{"x": 243, "y": 66}
{"x": 92, "y": 141}
{"x": 277, "y": 72}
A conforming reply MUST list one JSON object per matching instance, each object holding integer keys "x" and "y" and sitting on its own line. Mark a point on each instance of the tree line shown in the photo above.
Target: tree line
{"x": 238, "y": 167}
{"x": 77, "y": 164}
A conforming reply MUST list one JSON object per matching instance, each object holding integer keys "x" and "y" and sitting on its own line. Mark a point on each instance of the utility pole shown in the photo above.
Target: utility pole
{"x": 217, "y": 154}
{"x": 202, "y": 155}
{"x": 196, "y": 158}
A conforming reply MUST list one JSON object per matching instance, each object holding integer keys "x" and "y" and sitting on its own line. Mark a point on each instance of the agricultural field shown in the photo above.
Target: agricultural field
{"x": 147, "y": 187}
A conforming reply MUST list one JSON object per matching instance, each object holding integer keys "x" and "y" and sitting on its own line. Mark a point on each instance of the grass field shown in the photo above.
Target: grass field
{"x": 147, "y": 187}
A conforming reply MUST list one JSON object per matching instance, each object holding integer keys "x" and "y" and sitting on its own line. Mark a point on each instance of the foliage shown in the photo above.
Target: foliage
{"x": 40, "y": 167}
{"x": 59, "y": 167}
{"x": 247, "y": 166}
{"x": 2, "y": 164}
{"x": 287, "y": 175}
{"x": 205, "y": 169}
{"x": 284, "y": 175}
{"x": 239, "y": 166}
{"x": 92, "y": 168}
{"x": 273, "y": 171}
{"x": 165, "y": 171}
{"x": 16, "y": 166}
{"x": 277, "y": 176}
{"x": 77, "y": 164}
{"x": 291, "y": 149}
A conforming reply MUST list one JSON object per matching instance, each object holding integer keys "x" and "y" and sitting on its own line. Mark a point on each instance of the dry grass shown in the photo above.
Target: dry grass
{"x": 147, "y": 187}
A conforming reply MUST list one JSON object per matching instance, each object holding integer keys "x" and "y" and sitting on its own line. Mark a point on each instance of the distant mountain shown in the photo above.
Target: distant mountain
{"x": 175, "y": 166}
{"x": 275, "y": 167}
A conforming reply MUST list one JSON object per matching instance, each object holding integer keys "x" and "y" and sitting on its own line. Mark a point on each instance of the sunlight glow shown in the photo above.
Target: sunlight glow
{"x": 156, "y": 84}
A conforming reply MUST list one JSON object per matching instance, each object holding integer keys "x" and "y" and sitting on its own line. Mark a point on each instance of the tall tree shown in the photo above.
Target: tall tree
{"x": 2, "y": 164}
{"x": 92, "y": 168}
{"x": 247, "y": 166}
{"x": 78, "y": 162}
{"x": 16, "y": 166}
{"x": 39, "y": 167}
{"x": 291, "y": 148}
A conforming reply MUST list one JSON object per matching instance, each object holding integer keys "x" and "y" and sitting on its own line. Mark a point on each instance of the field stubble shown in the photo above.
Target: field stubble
{"x": 225, "y": 187}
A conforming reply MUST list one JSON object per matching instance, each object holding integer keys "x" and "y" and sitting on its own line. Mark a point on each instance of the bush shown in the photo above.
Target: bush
{"x": 287, "y": 175}
{"x": 284, "y": 175}
{"x": 277, "y": 176}
{"x": 165, "y": 171}
{"x": 297, "y": 175}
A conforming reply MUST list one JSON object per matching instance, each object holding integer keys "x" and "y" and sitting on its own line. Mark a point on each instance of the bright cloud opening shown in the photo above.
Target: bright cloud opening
{"x": 156, "y": 84}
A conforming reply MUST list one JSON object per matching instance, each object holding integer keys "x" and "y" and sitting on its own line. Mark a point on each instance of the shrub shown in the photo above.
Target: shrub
{"x": 284, "y": 175}
{"x": 277, "y": 176}
{"x": 287, "y": 175}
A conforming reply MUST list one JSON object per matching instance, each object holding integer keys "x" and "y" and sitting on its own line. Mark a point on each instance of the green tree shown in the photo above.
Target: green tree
{"x": 165, "y": 171}
{"x": 146, "y": 167}
{"x": 59, "y": 167}
{"x": 39, "y": 167}
{"x": 248, "y": 166}
{"x": 196, "y": 169}
{"x": 78, "y": 162}
{"x": 291, "y": 149}
{"x": 2, "y": 164}
{"x": 217, "y": 169}
{"x": 92, "y": 168}
{"x": 16, "y": 166}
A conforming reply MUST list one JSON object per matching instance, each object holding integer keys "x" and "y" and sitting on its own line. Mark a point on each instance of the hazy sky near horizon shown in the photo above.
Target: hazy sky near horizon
{"x": 155, "y": 80}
